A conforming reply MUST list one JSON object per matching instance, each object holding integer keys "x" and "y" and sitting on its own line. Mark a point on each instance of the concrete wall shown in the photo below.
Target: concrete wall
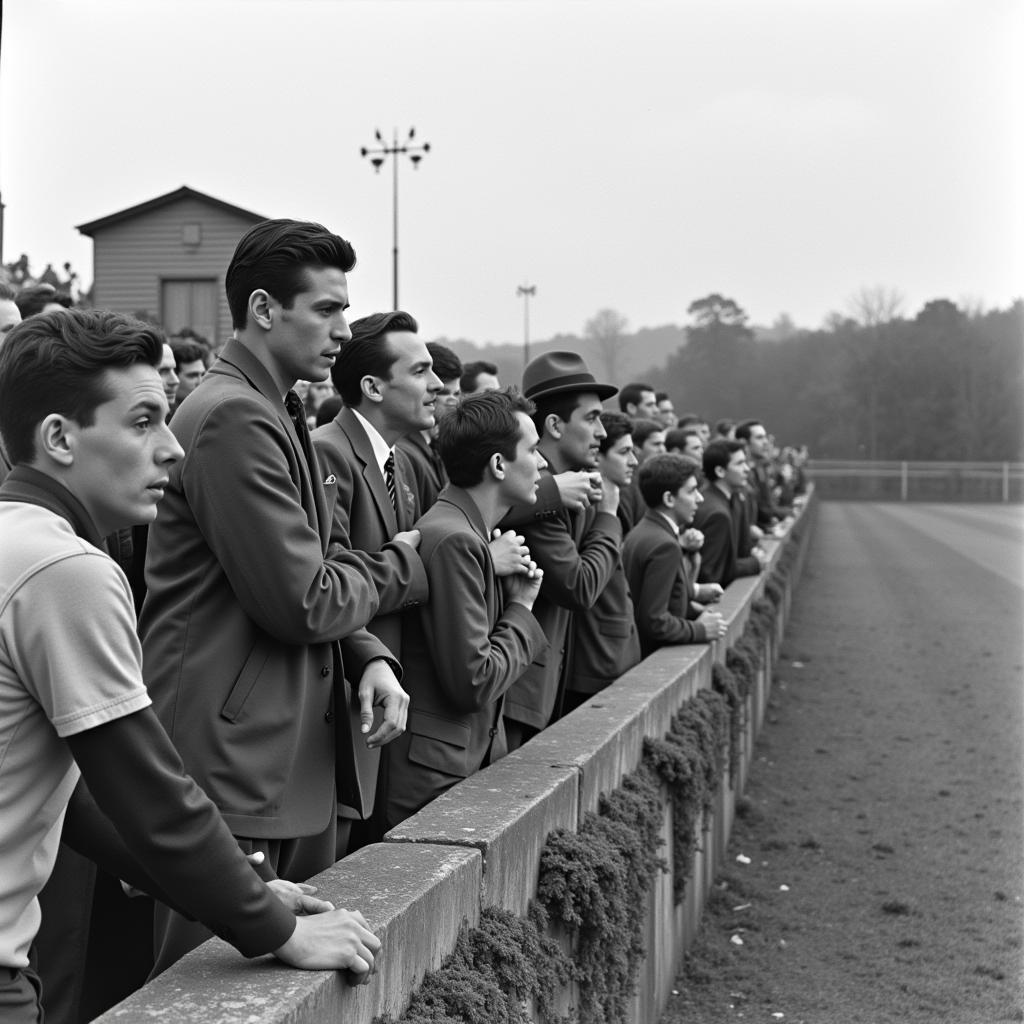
{"x": 479, "y": 845}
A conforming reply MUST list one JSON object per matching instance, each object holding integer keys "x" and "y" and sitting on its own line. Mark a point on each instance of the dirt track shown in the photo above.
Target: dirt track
{"x": 887, "y": 792}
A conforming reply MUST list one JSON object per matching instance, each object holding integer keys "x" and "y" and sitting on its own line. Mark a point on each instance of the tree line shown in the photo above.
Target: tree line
{"x": 944, "y": 384}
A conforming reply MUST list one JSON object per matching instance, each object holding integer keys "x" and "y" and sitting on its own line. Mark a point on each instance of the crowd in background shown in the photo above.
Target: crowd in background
{"x": 362, "y": 571}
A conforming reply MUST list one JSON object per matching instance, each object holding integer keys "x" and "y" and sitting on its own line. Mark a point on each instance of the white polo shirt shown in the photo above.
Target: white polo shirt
{"x": 70, "y": 660}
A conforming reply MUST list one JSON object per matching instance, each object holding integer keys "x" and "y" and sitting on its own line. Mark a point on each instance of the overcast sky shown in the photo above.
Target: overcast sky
{"x": 634, "y": 155}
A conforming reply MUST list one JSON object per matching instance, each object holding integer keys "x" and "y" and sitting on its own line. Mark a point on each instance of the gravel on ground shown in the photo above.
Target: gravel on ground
{"x": 875, "y": 868}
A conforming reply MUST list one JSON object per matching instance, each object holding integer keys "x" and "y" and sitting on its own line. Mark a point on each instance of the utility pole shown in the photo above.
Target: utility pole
{"x": 526, "y": 290}
{"x": 377, "y": 157}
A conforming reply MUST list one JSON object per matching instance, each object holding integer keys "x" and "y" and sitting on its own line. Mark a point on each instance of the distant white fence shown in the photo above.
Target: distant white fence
{"x": 919, "y": 481}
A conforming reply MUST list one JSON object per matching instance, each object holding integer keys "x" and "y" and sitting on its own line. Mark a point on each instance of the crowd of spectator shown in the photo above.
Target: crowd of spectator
{"x": 363, "y": 571}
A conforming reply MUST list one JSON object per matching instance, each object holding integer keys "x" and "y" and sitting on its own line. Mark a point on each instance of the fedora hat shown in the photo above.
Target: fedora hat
{"x": 558, "y": 373}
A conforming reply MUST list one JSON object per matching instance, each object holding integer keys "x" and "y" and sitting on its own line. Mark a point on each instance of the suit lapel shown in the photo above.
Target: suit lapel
{"x": 372, "y": 475}
{"x": 461, "y": 500}
{"x": 239, "y": 361}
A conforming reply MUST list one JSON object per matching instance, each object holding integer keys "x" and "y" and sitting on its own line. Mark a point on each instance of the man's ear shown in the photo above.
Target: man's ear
{"x": 496, "y": 466}
{"x": 553, "y": 426}
{"x": 370, "y": 386}
{"x": 260, "y": 309}
{"x": 668, "y": 499}
{"x": 55, "y": 440}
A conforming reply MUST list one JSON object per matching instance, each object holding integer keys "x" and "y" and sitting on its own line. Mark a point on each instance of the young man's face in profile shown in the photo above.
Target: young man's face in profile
{"x": 522, "y": 474}
{"x": 581, "y": 433}
{"x": 121, "y": 461}
{"x": 303, "y": 341}
{"x": 409, "y": 394}
{"x": 654, "y": 444}
{"x": 737, "y": 471}
{"x": 687, "y": 499}
{"x": 619, "y": 462}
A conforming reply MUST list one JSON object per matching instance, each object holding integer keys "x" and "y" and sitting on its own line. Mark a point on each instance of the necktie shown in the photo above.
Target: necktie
{"x": 297, "y": 413}
{"x": 389, "y": 479}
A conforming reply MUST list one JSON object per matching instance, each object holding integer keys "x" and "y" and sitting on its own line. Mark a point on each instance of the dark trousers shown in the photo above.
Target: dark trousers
{"x": 518, "y": 733}
{"x": 62, "y": 943}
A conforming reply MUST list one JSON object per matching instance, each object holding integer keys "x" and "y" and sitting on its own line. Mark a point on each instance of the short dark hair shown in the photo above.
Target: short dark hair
{"x": 478, "y": 427}
{"x": 720, "y": 453}
{"x": 616, "y": 426}
{"x": 55, "y": 363}
{"x": 662, "y": 473}
{"x": 561, "y": 404}
{"x": 643, "y": 428}
{"x": 275, "y": 255}
{"x": 470, "y": 372}
{"x": 447, "y": 365}
{"x": 689, "y": 419}
{"x": 630, "y": 394}
{"x": 368, "y": 353}
{"x": 33, "y": 300}
{"x": 723, "y": 427}
{"x": 329, "y": 408}
{"x": 662, "y": 396}
{"x": 676, "y": 437}
{"x": 187, "y": 352}
{"x": 743, "y": 429}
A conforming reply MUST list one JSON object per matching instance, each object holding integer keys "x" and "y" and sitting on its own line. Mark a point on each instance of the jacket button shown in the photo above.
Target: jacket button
{"x": 325, "y": 671}
{"x": 329, "y": 717}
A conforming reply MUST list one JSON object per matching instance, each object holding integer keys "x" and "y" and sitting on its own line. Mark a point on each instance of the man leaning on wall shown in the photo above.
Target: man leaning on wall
{"x": 82, "y": 415}
{"x": 245, "y": 605}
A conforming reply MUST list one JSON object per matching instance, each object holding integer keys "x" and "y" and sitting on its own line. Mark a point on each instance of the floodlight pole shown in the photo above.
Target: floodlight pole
{"x": 526, "y": 290}
{"x": 377, "y": 157}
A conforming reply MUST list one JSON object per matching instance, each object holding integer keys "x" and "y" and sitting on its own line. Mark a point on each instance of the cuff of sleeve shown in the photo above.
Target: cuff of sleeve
{"x": 269, "y": 931}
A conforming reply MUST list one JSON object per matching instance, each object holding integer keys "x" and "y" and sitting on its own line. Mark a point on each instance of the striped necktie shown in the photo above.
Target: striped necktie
{"x": 389, "y": 479}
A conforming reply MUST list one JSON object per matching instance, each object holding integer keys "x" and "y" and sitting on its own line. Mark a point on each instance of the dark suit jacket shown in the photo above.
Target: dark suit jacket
{"x": 720, "y": 521}
{"x": 659, "y": 582}
{"x": 364, "y": 520}
{"x": 632, "y": 507}
{"x": 244, "y": 610}
{"x": 605, "y": 639}
{"x": 462, "y": 653}
{"x": 744, "y": 507}
{"x": 578, "y": 552}
{"x": 428, "y": 475}
{"x": 768, "y": 513}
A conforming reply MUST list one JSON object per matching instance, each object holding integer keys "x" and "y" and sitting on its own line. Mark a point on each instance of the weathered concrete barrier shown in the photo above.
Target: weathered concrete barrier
{"x": 479, "y": 845}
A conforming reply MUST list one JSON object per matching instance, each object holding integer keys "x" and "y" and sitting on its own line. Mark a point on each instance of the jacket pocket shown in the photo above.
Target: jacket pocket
{"x": 439, "y": 743}
{"x": 619, "y": 626}
{"x": 244, "y": 683}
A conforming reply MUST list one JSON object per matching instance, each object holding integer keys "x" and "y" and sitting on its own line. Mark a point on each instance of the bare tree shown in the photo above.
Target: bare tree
{"x": 607, "y": 329}
{"x": 874, "y": 306}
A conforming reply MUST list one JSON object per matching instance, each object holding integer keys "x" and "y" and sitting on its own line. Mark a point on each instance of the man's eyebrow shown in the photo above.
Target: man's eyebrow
{"x": 145, "y": 405}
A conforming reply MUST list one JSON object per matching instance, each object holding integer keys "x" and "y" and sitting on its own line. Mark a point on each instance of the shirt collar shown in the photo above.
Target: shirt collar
{"x": 29, "y": 485}
{"x": 381, "y": 449}
{"x": 671, "y": 522}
